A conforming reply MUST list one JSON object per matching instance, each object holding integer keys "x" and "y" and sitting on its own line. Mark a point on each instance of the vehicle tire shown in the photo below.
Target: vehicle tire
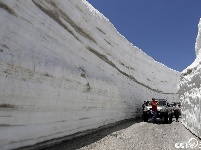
{"x": 170, "y": 118}
{"x": 145, "y": 119}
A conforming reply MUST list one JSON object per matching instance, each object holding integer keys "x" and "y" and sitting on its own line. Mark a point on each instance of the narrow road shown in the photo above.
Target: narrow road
{"x": 134, "y": 135}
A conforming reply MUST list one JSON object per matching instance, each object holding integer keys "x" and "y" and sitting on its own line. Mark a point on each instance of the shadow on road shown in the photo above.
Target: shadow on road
{"x": 82, "y": 141}
{"x": 161, "y": 121}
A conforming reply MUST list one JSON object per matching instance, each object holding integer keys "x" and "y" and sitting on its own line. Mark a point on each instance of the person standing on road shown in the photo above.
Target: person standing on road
{"x": 143, "y": 105}
{"x": 154, "y": 109}
{"x": 176, "y": 112}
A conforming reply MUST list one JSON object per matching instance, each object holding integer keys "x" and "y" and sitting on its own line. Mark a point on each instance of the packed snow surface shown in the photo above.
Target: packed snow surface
{"x": 190, "y": 91}
{"x": 65, "y": 69}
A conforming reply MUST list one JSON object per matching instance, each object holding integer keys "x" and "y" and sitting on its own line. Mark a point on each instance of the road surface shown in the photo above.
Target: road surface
{"x": 134, "y": 135}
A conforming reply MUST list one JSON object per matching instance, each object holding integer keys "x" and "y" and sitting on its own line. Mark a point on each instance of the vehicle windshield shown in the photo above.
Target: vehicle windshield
{"x": 162, "y": 103}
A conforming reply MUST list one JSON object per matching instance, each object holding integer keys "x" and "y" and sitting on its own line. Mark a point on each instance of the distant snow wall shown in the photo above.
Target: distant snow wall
{"x": 65, "y": 69}
{"x": 190, "y": 91}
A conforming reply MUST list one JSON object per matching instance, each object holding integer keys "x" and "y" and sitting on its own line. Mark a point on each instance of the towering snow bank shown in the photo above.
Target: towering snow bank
{"x": 65, "y": 69}
{"x": 198, "y": 40}
{"x": 190, "y": 91}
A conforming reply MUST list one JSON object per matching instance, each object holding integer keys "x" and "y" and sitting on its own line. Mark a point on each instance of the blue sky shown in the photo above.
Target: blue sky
{"x": 164, "y": 29}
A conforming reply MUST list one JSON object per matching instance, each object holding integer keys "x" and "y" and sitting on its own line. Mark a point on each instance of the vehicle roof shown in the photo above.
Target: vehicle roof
{"x": 161, "y": 99}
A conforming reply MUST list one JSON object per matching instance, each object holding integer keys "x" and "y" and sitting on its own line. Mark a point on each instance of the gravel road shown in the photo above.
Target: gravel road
{"x": 133, "y": 135}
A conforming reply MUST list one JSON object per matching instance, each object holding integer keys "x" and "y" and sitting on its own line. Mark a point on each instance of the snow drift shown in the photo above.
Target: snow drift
{"x": 190, "y": 90}
{"x": 65, "y": 69}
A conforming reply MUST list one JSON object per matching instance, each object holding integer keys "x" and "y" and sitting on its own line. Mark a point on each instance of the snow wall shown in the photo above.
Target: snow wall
{"x": 65, "y": 69}
{"x": 190, "y": 90}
